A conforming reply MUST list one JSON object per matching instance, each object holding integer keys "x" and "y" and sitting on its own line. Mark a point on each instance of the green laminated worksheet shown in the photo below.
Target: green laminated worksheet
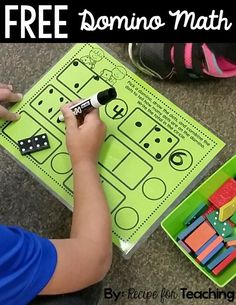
{"x": 152, "y": 151}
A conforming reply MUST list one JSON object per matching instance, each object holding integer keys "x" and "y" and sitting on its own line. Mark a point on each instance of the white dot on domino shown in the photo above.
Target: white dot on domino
{"x": 21, "y": 143}
{"x": 38, "y": 145}
{"x": 29, "y": 141}
{"x": 45, "y": 143}
{"x": 43, "y": 137}
{"x": 23, "y": 149}
{"x": 214, "y": 223}
{"x": 36, "y": 139}
{"x": 31, "y": 147}
{"x": 223, "y": 234}
{"x": 217, "y": 213}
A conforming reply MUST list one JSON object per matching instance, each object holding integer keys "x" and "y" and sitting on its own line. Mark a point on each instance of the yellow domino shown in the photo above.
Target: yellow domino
{"x": 228, "y": 210}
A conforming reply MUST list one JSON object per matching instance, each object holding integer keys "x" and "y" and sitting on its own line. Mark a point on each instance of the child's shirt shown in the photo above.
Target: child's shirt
{"x": 27, "y": 263}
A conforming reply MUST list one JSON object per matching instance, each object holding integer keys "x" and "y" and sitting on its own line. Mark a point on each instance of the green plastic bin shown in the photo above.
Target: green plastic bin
{"x": 174, "y": 222}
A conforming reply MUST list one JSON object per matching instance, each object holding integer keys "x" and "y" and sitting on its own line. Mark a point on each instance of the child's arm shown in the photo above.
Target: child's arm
{"x": 85, "y": 258}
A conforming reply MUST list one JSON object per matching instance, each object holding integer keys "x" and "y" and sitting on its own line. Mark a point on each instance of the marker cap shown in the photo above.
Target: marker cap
{"x": 106, "y": 96}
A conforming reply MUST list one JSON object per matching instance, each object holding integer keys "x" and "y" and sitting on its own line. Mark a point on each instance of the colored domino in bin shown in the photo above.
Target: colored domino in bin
{"x": 211, "y": 250}
{"x": 210, "y": 209}
{"x": 231, "y": 223}
{"x": 212, "y": 254}
{"x": 233, "y": 219}
{"x": 183, "y": 245}
{"x": 206, "y": 245}
{"x": 220, "y": 258}
{"x": 222, "y": 228}
{"x": 227, "y": 210}
{"x": 187, "y": 231}
{"x": 230, "y": 238}
{"x": 224, "y": 194}
{"x": 231, "y": 243}
{"x": 202, "y": 208}
{"x": 200, "y": 236}
{"x": 225, "y": 263}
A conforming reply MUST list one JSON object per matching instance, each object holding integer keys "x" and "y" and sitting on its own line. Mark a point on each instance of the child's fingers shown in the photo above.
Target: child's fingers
{"x": 93, "y": 115}
{"x": 79, "y": 118}
{"x": 75, "y": 102}
{"x": 7, "y": 115}
{"x": 7, "y": 96}
{"x": 69, "y": 117}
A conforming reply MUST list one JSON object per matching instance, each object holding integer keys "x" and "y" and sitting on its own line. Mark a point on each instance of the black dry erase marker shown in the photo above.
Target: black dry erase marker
{"x": 95, "y": 101}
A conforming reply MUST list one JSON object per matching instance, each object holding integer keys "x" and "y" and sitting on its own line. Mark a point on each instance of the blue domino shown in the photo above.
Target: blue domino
{"x": 183, "y": 245}
{"x": 191, "y": 228}
{"x": 213, "y": 252}
{"x": 206, "y": 245}
{"x": 220, "y": 258}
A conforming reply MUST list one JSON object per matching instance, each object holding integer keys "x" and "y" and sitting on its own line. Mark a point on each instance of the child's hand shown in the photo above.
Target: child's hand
{"x": 83, "y": 139}
{"x": 6, "y": 95}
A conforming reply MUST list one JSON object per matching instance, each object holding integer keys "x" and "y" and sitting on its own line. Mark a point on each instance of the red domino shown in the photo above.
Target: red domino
{"x": 209, "y": 249}
{"x": 219, "y": 268}
{"x": 231, "y": 223}
{"x": 211, "y": 209}
{"x": 200, "y": 236}
{"x": 224, "y": 194}
{"x": 231, "y": 243}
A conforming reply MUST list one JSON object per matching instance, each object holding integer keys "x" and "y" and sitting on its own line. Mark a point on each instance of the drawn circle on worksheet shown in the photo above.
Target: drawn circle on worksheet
{"x": 61, "y": 163}
{"x": 154, "y": 188}
{"x": 75, "y": 63}
{"x": 116, "y": 109}
{"x": 126, "y": 218}
{"x": 181, "y": 159}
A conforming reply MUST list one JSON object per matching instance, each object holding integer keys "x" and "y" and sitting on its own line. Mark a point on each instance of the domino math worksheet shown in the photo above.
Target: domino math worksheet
{"x": 152, "y": 151}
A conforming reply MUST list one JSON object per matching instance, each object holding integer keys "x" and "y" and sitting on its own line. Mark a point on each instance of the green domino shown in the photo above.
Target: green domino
{"x": 196, "y": 213}
{"x": 230, "y": 238}
{"x": 233, "y": 218}
{"x": 222, "y": 228}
